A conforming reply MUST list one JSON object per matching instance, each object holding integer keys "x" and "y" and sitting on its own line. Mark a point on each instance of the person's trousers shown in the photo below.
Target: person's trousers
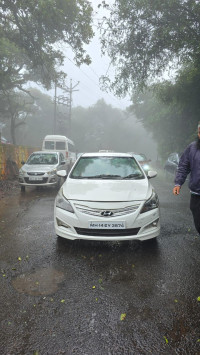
{"x": 195, "y": 209}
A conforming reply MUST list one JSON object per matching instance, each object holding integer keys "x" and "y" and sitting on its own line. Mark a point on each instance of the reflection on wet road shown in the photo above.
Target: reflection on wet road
{"x": 63, "y": 297}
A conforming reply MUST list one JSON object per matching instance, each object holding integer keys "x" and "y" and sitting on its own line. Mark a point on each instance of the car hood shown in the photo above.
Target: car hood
{"x": 106, "y": 190}
{"x": 38, "y": 167}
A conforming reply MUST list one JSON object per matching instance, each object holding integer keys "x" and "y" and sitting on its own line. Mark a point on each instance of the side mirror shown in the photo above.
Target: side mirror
{"x": 63, "y": 162}
{"x": 22, "y": 162}
{"x": 62, "y": 173}
{"x": 151, "y": 174}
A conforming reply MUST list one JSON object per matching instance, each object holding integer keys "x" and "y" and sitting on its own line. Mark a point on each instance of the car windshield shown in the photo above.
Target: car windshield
{"x": 42, "y": 159}
{"x": 103, "y": 167}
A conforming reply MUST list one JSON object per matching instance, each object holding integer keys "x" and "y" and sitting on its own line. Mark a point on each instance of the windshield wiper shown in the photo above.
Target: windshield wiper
{"x": 133, "y": 176}
{"x": 103, "y": 176}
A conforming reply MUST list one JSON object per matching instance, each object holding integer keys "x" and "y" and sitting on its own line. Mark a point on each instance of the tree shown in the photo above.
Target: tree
{"x": 16, "y": 108}
{"x": 171, "y": 111}
{"x": 104, "y": 127}
{"x": 31, "y": 33}
{"x": 145, "y": 37}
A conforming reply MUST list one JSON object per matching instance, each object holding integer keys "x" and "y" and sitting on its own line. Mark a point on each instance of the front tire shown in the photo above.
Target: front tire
{"x": 58, "y": 184}
{"x": 22, "y": 188}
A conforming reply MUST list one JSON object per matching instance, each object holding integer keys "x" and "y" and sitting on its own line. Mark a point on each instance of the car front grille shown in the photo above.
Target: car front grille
{"x": 107, "y": 232}
{"x": 35, "y": 174}
{"x": 111, "y": 212}
{"x": 38, "y": 182}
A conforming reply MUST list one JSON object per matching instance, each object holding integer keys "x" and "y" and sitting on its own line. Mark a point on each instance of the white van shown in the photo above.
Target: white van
{"x": 61, "y": 144}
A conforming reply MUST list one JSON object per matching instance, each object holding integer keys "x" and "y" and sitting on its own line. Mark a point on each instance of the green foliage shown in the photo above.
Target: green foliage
{"x": 29, "y": 32}
{"x": 15, "y": 107}
{"x": 171, "y": 111}
{"x": 145, "y": 37}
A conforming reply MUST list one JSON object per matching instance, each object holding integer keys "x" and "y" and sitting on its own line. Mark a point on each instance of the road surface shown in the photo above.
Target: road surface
{"x": 94, "y": 298}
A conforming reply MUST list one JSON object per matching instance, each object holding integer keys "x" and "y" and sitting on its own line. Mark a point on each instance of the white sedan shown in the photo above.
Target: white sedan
{"x": 107, "y": 196}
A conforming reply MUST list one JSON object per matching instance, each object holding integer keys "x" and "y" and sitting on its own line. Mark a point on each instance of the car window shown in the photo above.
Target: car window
{"x": 60, "y": 145}
{"x": 49, "y": 145}
{"x": 140, "y": 157}
{"x": 42, "y": 159}
{"x": 173, "y": 157}
{"x": 107, "y": 167}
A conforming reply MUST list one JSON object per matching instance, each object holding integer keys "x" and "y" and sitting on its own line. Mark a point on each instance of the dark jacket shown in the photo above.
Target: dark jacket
{"x": 189, "y": 163}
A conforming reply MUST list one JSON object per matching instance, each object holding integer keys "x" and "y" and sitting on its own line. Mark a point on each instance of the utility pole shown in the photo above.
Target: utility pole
{"x": 64, "y": 100}
{"x": 70, "y": 90}
{"x": 55, "y": 108}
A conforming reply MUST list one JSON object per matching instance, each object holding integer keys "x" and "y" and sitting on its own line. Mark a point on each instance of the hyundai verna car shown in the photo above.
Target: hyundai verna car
{"x": 107, "y": 196}
{"x": 40, "y": 169}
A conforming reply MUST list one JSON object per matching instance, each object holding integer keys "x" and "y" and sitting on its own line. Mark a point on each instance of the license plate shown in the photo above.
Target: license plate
{"x": 34, "y": 178}
{"x": 107, "y": 225}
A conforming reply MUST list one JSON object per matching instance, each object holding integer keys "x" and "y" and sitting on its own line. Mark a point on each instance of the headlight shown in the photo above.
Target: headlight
{"x": 51, "y": 172}
{"x": 63, "y": 203}
{"x": 146, "y": 167}
{"x": 21, "y": 172}
{"x": 151, "y": 203}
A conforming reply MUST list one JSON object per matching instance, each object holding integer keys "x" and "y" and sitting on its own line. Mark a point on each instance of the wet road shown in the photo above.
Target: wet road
{"x": 61, "y": 297}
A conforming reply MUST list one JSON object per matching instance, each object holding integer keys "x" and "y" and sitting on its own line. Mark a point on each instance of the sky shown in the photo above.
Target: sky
{"x": 87, "y": 77}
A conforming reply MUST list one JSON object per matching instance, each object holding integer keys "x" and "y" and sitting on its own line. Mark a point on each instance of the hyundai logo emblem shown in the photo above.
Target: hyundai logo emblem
{"x": 106, "y": 213}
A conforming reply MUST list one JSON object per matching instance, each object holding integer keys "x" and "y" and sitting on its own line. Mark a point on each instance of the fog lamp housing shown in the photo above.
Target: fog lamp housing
{"x": 153, "y": 224}
{"x": 62, "y": 224}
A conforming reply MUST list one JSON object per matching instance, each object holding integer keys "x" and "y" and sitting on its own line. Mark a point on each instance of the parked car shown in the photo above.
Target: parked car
{"x": 172, "y": 162}
{"x": 107, "y": 196}
{"x": 40, "y": 169}
{"x": 142, "y": 159}
{"x": 4, "y": 140}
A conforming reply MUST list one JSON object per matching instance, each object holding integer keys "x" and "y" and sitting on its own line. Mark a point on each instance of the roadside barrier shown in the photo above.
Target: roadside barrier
{"x": 11, "y": 157}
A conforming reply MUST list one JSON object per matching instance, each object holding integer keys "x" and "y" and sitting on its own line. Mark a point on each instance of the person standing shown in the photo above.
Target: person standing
{"x": 190, "y": 163}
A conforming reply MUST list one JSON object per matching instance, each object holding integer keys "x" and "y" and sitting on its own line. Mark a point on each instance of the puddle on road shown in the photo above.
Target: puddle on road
{"x": 42, "y": 282}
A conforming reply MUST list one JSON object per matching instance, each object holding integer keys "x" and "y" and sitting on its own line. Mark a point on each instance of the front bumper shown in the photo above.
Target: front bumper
{"x": 138, "y": 226}
{"x": 44, "y": 180}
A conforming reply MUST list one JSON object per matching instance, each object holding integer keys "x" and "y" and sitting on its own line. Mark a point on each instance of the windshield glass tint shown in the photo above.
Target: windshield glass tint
{"x": 42, "y": 159}
{"x": 107, "y": 168}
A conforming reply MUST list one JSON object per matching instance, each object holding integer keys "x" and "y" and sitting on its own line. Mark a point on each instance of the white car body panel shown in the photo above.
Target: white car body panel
{"x": 106, "y": 190}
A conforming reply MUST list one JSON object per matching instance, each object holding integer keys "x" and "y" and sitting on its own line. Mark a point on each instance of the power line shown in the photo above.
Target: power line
{"x": 113, "y": 97}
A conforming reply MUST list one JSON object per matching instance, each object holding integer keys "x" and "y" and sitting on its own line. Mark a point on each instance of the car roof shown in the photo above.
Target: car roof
{"x": 45, "y": 152}
{"x": 56, "y": 137}
{"x": 105, "y": 154}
